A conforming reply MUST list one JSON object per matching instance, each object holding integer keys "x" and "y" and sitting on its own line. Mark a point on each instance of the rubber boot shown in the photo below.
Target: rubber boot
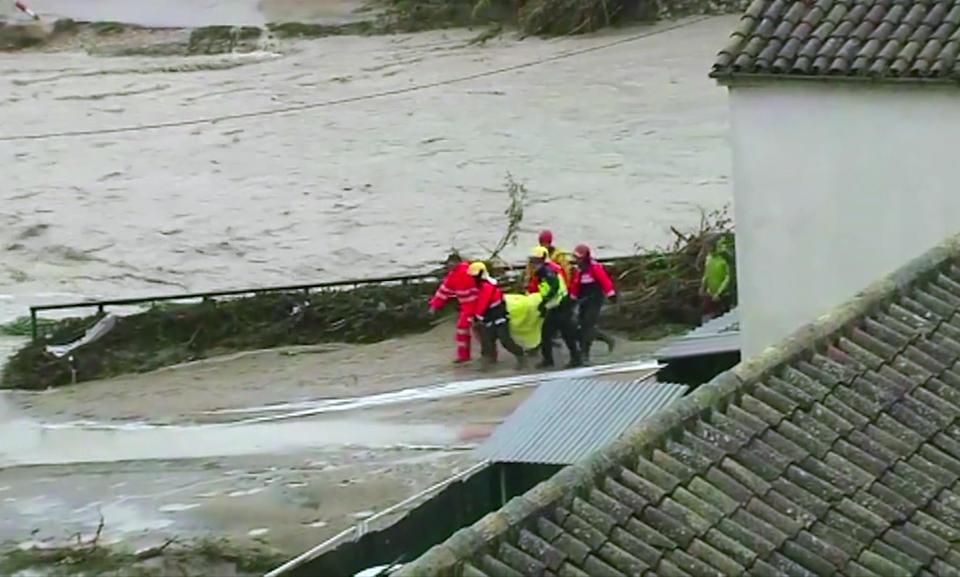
{"x": 607, "y": 340}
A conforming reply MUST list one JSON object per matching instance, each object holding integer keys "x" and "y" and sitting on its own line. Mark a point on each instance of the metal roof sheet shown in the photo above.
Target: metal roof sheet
{"x": 563, "y": 421}
{"x": 719, "y": 335}
{"x": 725, "y": 323}
{"x": 697, "y": 346}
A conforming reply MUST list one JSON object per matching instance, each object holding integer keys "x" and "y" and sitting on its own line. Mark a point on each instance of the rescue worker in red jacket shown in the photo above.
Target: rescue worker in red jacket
{"x": 556, "y": 308}
{"x": 458, "y": 284}
{"x": 590, "y": 286}
{"x": 491, "y": 314}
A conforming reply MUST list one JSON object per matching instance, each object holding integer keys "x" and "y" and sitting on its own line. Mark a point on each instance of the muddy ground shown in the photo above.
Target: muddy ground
{"x": 185, "y": 452}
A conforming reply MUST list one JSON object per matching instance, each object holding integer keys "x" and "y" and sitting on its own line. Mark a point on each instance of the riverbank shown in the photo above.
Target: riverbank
{"x": 115, "y": 30}
{"x": 658, "y": 294}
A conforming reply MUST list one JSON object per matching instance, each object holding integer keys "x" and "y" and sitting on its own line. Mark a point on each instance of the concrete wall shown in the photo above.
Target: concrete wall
{"x": 834, "y": 186}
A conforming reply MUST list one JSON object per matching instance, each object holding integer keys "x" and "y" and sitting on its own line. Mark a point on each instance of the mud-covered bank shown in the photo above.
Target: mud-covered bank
{"x": 356, "y": 17}
{"x": 659, "y": 290}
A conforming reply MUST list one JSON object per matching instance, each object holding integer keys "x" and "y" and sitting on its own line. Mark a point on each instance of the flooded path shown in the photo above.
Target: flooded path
{"x": 28, "y": 443}
{"x": 371, "y": 187}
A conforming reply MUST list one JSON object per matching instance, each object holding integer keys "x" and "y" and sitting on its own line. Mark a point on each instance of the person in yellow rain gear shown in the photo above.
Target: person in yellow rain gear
{"x": 554, "y": 255}
{"x": 556, "y": 308}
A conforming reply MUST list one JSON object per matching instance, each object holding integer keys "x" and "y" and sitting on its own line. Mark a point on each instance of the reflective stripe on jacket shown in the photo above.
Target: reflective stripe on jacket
{"x": 595, "y": 273}
{"x": 457, "y": 285}
{"x": 552, "y": 287}
{"x": 490, "y": 303}
{"x": 534, "y": 285}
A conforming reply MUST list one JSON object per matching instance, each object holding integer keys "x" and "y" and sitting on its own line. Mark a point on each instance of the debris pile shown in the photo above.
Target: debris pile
{"x": 657, "y": 287}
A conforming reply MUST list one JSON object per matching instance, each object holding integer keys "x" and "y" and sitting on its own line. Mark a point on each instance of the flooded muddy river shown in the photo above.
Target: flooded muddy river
{"x": 188, "y": 13}
{"x": 615, "y": 146}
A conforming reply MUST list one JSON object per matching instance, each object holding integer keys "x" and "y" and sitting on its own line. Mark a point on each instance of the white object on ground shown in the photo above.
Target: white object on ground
{"x": 378, "y": 570}
{"x": 95, "y": 333}
{"x": 456, "y": 388}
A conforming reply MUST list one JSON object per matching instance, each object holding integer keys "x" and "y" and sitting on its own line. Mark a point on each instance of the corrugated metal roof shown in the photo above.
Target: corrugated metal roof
{"x": 719, "y": 335}
{"x": 566, "y": 420}
{"x": 725, "y": 323}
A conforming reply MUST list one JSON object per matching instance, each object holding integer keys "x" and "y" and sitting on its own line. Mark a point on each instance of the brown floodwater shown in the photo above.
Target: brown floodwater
{"x": 615, "y": 146}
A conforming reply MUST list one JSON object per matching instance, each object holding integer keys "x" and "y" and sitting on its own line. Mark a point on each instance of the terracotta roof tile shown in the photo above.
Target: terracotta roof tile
{"x": 850, "y": 38}
{"x": 842, "y": 460}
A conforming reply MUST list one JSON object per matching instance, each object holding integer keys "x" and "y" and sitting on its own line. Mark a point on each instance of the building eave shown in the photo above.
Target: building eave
{"x": 744, "y": 78}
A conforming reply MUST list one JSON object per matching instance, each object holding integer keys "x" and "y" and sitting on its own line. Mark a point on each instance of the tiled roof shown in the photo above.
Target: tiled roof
{"x": 836, "y": 452}
{"x": 879, "y": 39}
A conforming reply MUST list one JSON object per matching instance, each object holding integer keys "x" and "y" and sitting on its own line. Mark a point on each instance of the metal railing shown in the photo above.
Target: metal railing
{"x": 101, "y": 304}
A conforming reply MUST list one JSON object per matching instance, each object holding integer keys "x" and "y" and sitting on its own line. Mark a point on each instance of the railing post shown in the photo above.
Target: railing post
{"x": 33, "y": 324}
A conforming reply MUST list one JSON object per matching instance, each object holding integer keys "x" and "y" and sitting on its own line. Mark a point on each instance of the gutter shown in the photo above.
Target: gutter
{"x": 733, "y": 78}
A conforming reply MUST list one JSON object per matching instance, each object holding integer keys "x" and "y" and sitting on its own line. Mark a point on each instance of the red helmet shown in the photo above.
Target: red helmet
{"x": 581, "y": 251}
{"x": 546, "y": 238}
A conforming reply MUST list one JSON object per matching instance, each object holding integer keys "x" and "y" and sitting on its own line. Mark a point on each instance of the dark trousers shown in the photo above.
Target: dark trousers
{"x": 589, "y": 314}
{"x": 498, "y": 331}
{"x": 560, "y": 320}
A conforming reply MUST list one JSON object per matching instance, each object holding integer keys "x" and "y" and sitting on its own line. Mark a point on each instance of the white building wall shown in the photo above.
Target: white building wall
{"x": 835, "y": 186}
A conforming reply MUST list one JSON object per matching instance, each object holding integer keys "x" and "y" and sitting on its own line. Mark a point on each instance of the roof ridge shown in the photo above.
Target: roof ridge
{"x": 574, "y": 479}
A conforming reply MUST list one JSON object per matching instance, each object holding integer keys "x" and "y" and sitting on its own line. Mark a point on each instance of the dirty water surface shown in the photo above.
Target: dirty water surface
{"x": 367, "y": 187}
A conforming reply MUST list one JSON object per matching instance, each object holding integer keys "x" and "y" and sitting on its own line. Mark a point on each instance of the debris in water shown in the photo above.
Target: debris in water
{"x": 363, "y": 514}
{"x": 258, "y": 532}
{"x": 177, "y": 507}
{"x": 246, "y": 493}
{"x": 317, "y": 524}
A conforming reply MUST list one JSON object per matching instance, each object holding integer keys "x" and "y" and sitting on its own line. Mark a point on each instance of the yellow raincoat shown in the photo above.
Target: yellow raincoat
{"x": 525, "y": 319}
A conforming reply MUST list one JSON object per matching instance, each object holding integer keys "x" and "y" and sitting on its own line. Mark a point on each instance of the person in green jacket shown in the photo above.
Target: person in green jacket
{"x": 715, "y": 288}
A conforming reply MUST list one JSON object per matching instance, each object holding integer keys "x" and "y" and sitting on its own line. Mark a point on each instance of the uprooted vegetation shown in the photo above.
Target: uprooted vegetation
{"x": 91, "y": 558}
{"x": 544, "y": 17}
{"x": 659, "y": 292}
